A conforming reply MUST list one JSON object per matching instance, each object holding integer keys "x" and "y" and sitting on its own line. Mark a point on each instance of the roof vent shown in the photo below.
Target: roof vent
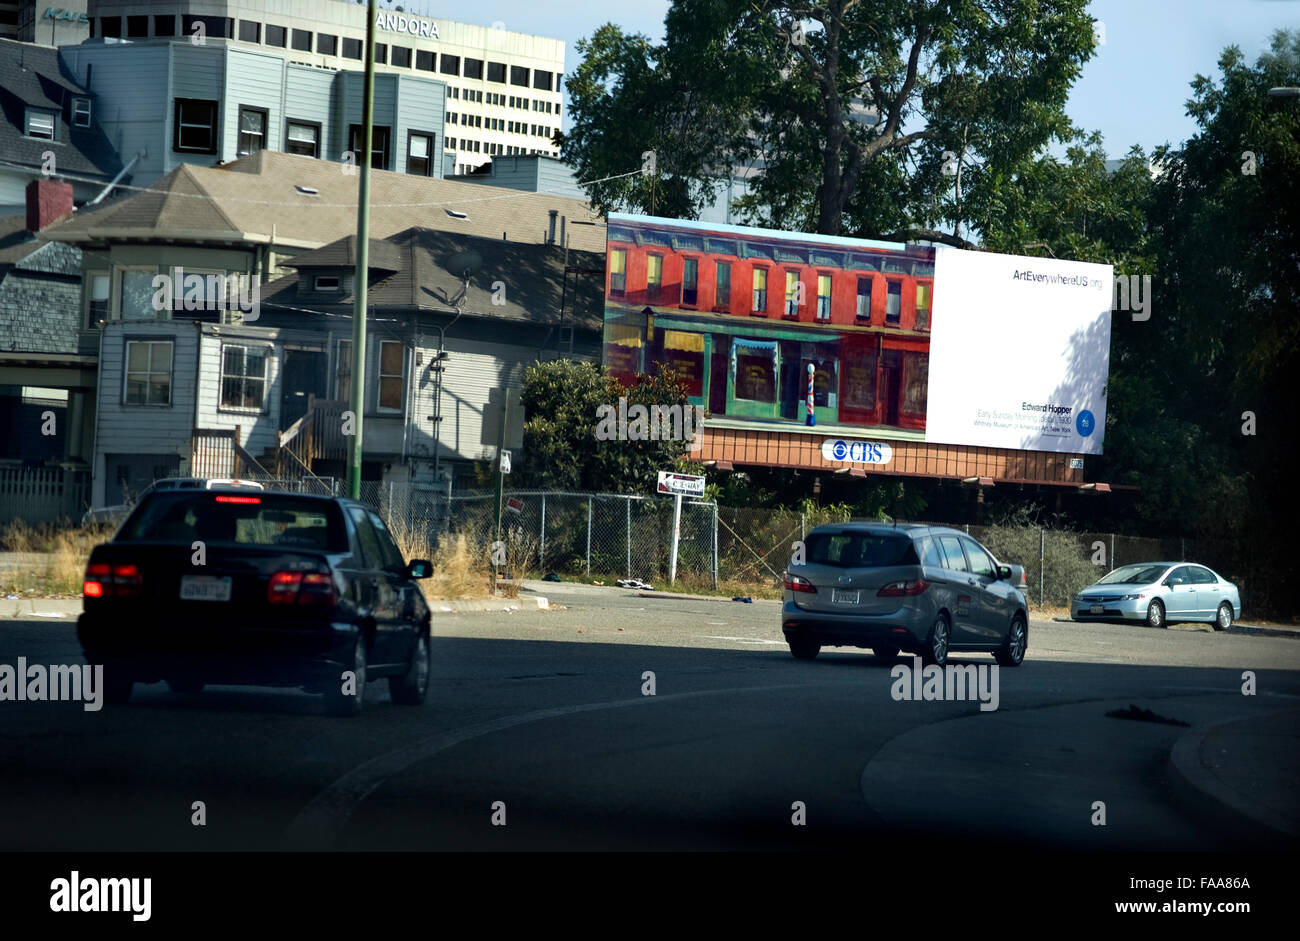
{"x": 456, "y": 215}
{"x": 308, "y": 190}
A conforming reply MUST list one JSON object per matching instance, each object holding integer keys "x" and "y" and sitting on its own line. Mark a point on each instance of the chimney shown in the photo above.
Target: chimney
{"x": 48, "y": 201}
{"x": 550, "y": 237}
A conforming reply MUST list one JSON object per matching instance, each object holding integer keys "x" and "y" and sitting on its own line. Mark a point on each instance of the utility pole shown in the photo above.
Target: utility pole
{"x": 357, "y": 397}
{"x": 501, "y": 447}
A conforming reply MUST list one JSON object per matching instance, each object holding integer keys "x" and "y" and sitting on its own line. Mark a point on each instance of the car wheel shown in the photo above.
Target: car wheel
{"x": 185, "y": 686}
{"x": 804, "y": 649}
{"x": 1156, "y": 615}
{"x": 1223, "y": 620}
{"x": 340, "y": 703}
{"x": 935, "y": 652}
{"x": 1012, "y": 651}
{"x": 885, "y": 653}
{"x": 411, "y": 688}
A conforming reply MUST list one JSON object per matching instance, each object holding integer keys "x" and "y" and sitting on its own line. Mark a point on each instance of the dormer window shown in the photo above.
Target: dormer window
{"x": 326, "y": 282}
{"x": 81, "y": 112}
{"x": 40, "y": 124}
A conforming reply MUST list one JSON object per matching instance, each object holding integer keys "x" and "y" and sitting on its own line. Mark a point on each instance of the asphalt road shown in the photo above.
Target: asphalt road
{"x": 537, "y": 735}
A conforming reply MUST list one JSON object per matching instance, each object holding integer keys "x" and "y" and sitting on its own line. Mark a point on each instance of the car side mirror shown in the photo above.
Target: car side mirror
{"x": 1004, "y": 573}
{"x": 419, "y": 568}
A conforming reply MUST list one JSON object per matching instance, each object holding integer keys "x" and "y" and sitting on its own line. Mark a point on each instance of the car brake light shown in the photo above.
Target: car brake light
{"x": 798, "y": 583}
{"x": 97, "y": 573}
{"x": 228, "y": 499}
{"x": 283, "y": 588}
{"x": 103, "y": 580}
{"x": 127, "y": 582}
{"x": 302, "y": 588}
{"x": 903, "y": 588}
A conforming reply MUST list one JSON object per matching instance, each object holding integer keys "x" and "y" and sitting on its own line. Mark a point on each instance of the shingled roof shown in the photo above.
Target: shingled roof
{"x": 32, "y": 75}
{"x": 531, "y": 278}
{"x": 297, "y": 202}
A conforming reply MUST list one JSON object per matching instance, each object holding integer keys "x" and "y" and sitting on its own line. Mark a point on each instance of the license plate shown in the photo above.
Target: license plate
{"x": 843, "y": 597}
{"x": 1097, "y": 609}
{"x": 205, "y": 588}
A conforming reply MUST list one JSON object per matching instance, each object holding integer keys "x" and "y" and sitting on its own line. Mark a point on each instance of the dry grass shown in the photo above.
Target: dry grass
{"x": 48, "y": 560}
{"x": 459, "y": 572}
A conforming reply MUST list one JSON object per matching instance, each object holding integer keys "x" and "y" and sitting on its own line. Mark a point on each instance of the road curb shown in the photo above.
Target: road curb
{"x": 1196, "y": 787}
{"x": 494, "y": 605}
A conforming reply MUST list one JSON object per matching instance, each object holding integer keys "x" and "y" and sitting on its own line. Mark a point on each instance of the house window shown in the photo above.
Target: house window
{"x": 617, "y": 272}
{"x": 542, "y": 79}
{"x": 164, "y": 25}
{"x": 351, "y": 48}
{"x": 654, "y": 276}
{"x": 302, "y": 138}
{"x": 195, "y": 128}
{"x": 402, "y": 57}
{"x": 916, "y": 382}
{"x": 250, "y": 31}
{"x": 823, "y": 297}
{"x": 81, "y": 112}
{"x": 424, "y": 60}
{"x": 136, "y": 295}
{"x": 449, "y": 143}
{"x": 755, "y": 374}
{"x": 894, "y": 303}
{"x": 252, "y": 130}
{"x": 276, "y": 35}
{"x": 419, "y": 156}
{"x": 217, "y": 27}
{"x": 300, "y": 39}
{"x": 148, "y": 373}
{"x": 327, "y": 45}
{"x": 793, "y": 288}
{"x": 497, "y": 72}
{"x": 923, "y": 292}
{"x": 690, "y": 281}
{"x": 723, "y": 280}
{"x": 519, "y": 75}
{"x": 111, "y": 27}
{"x": 343, "y": 371}
{"x": 98, "y": 289}
{"x": 760, "y": 291}
{"x": 381, "y": 53}
{"x": 378, "y": 144}
{"x": 137, "y": 27}
{"x": 450, "y": 65}
{"x": 243, "y": 376}
{"x": 40, "y": 124}
{"x": 864, "y": 298}
{"x": 326, "y": 282}
{"x": 474, "y": 68}
{"x": 392, "y": 370}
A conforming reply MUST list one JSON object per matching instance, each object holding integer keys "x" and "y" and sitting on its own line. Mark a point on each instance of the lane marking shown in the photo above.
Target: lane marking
{"x": 319, "y": 824}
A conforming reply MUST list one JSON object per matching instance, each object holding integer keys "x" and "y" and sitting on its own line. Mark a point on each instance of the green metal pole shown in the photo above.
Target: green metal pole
{"x": 357, "y": 399}
{"x": 501, "y": 447}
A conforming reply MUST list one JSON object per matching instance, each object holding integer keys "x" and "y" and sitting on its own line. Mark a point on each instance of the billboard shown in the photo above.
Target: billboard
{"x": 862, "y": 338}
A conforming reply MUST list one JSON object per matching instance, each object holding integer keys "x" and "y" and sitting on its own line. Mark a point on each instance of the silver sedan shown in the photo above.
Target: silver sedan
{"x": 1160, "y": 593}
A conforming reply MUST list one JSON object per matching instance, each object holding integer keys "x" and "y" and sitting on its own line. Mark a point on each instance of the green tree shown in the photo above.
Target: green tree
{"x": 562, "y": 400}
{"x": 866, "y": 114}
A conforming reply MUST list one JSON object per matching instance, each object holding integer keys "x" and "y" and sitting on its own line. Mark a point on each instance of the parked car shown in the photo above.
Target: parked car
{"x": 282, "y": 590}
{"x": 1160, "y": 593}
{"x": 113, "y": 515}
{"x": 928, "y": 590}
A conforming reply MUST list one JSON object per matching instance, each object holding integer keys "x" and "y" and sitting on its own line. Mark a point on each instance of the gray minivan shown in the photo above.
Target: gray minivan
{"x": 927, "y": 590}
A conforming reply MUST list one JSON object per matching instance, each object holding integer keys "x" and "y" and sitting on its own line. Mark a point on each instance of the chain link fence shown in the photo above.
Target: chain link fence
{"x": 602, "y": 535}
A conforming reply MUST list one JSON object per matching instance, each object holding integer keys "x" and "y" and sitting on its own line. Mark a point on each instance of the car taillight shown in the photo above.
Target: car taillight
{"x": 301, "y": 588}
{"x": 239, "y": 499}
{"x": 798, "y": 583}
{"x": 904, "y": 588}
{"x": 1024, "y": 581}
{"x": 104, "y": 580}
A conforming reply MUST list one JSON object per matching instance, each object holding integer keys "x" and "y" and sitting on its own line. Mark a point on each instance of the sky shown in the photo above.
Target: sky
{"x": 1134, "y": 90}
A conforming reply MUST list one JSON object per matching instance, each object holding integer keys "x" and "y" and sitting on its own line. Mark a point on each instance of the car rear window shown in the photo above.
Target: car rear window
{"x": 245, "y": 518}
{"x": 860, "y": 550}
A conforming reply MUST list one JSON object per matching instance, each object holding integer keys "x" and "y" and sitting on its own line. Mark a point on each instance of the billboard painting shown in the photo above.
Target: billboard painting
{"x": 900, "y": 341}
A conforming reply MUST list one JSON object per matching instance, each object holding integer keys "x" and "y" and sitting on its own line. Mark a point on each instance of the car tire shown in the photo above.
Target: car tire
{"x": 1156, "y": 614}
{"x": 339, "y": 703}
{"x": 935, "y": 651}
{"x": 412, "y": 687}
{"x": 1223, "y": 617}
{"x": 185, "y": 687}
{"x": 1012, "y": 651}
{"x": 804, "y": 649}
{"x": 885, "y": 653}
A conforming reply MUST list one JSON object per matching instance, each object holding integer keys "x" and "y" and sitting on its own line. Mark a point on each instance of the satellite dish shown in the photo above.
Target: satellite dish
{"x": 465, "y": 265}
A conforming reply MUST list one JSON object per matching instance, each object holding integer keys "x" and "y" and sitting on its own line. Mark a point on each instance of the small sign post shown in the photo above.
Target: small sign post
{"x": 678, "y": 485}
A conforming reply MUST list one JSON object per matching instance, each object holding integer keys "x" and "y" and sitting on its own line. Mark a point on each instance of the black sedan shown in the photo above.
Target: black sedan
{"x": 228, "y": 586}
